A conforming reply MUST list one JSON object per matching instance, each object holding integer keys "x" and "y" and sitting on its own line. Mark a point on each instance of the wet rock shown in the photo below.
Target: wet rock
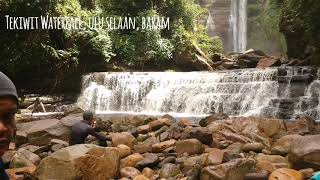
{"x": 124, "y": 150}
{"x": 149, "y": 160}
{"x": 256, "y": 147}
{"x": 169, "y": 170}
{"x": 268, "y": 62}
{"x": 184, "y": 122}
{"x": 129, "y": 172}
{"x": 214, "y": 117}
{"x": 159, "y": 147}
{"x": 202, "y": 134}
{"x": 287, "y": 174}
{"x": 123, "y": 138}
{"x": 131, "y": 160}
{"x": 302, "y": 126}
{"x": 305, "y": 151}
{"x": 8, "y": 156}
{"x": 80, "y": 161}
{"x": 146, "y": 146}
{"x": 41, "y": 132}
{"x": 190, "y": 146}
{"x": 270, "y": 163}
{"x": 235, "y": 169}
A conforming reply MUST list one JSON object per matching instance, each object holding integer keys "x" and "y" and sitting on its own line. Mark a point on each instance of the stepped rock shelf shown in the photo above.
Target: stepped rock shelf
{"x": 281, "y": 92}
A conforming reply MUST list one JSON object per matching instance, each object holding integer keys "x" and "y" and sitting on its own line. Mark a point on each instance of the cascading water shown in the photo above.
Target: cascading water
{"x": 238, "y": 92}
{"x": 274, "y": 92}
{"x": 238, "y": 23}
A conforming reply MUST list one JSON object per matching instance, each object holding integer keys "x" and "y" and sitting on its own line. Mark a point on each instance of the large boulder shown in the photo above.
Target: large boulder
{"x": 232, "y": 170}
{"x": 41, "y": 132}
{"x": 83, "y": 161}
{"x": 305, "y": 151}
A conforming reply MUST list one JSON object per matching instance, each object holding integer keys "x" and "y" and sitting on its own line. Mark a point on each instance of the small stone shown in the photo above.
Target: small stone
{"x": 190, "y": 146}
{"x": 159, "y": 147}
{"x": 129, "y": 172}
{"x": 131, "y": 160}
{"x": 169, "y": 170}
{"x": 124, "y": 150}
{"x": 256, "y": 147}
{"x": 148, "y": 172}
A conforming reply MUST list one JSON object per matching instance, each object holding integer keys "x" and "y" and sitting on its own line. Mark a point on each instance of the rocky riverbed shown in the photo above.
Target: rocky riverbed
{"x": 218, "y": 147}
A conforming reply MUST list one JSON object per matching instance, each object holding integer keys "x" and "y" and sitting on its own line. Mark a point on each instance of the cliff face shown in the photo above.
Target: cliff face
{"x": 217, "y": 22}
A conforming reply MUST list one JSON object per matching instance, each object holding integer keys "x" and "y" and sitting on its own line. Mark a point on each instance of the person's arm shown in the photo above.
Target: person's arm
{"x": 96, "y": 134}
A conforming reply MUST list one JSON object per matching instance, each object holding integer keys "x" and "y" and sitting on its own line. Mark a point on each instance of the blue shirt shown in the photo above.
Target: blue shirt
{"x": 3, "y": 174}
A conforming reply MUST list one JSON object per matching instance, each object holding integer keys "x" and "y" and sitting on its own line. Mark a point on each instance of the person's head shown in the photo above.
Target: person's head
{"x": 88, "y": 116}
{"x": 8, "y": 108}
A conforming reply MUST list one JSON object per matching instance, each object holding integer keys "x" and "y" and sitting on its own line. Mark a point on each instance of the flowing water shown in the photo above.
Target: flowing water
{"x": 274, "y": 92}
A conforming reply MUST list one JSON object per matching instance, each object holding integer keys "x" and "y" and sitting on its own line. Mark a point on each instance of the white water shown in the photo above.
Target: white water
{"x": 239, "y": 92}
{"x": 238, "y": 21}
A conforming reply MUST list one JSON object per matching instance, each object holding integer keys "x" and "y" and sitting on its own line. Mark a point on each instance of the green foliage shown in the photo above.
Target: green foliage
{"x": 263, "y": 27}
{"x": 184, "y": 39}
{"x": 53, "y": 53}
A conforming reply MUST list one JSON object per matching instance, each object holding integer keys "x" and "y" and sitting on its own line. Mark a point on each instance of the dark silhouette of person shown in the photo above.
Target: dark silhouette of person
{"x": 8, "y": 107}
{"x": 81, "y": 130}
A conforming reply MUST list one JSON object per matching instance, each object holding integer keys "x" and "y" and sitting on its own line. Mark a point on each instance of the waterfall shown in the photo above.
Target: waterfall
{"x": 238, "y": 20}
{"x": 238, "y": 92}
{"x": 283, "y": 92}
